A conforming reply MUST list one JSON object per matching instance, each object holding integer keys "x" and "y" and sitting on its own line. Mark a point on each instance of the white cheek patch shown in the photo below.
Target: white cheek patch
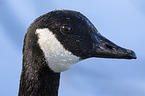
{"x": 59, "y": 59}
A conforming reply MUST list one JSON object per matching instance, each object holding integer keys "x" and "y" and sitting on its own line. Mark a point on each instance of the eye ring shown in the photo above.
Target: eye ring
{"x": 65, "y": 29}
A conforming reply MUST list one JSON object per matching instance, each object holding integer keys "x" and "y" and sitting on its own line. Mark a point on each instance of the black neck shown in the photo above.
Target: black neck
{"x": 37, "y": 79}
{"x": 39, "y": 83}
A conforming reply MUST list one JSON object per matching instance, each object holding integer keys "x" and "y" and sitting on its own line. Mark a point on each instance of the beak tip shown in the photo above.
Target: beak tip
{"x": 132, "y": 55}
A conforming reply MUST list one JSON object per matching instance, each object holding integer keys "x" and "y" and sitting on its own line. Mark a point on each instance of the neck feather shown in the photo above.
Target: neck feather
{"x": 37, "y": 79}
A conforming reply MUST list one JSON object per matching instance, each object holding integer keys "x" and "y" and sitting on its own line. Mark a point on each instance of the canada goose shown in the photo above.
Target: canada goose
{"x": 53, "y": 43}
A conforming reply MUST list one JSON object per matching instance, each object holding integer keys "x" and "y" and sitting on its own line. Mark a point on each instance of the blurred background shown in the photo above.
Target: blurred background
{"x": 121, "y": 21}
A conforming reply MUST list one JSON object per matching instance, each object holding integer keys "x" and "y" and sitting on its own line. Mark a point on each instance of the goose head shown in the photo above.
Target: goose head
{"x": 66, "y": 37}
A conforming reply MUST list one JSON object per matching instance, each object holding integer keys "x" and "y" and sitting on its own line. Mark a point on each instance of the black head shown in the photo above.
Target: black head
{"x": 79, "y": 36}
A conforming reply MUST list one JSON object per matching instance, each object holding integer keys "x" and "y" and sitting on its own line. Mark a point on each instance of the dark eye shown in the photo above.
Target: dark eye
{"x": 65, "y": 28}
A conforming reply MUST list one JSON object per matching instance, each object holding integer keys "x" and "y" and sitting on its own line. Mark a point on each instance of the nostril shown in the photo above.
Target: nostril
{"x": 109, "y": 46}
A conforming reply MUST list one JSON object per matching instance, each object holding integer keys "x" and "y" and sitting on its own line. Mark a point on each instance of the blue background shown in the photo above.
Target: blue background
{"x": 121, "y": 21}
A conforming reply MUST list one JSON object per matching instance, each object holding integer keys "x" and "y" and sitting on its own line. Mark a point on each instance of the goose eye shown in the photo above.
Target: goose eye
{"x": 65, "y": 29}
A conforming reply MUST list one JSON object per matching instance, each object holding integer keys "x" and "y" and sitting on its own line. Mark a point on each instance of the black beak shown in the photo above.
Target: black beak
{"x": 104, "y": 48}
